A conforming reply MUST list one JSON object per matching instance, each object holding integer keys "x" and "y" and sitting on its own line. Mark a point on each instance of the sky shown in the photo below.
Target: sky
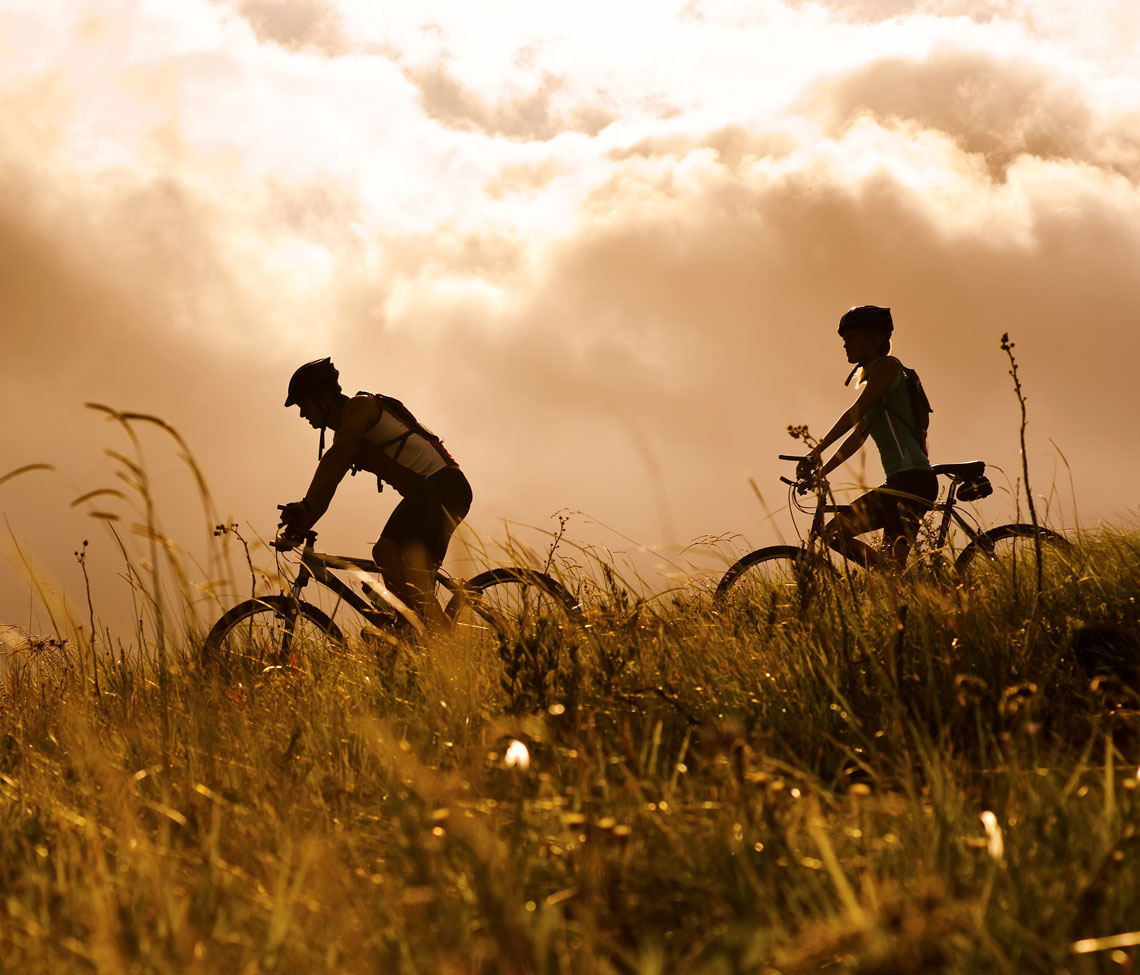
{"x": 601, "y": 248}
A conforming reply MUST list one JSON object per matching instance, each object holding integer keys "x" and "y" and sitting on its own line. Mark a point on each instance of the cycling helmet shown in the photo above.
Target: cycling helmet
{"x": 867, "y": 316}
{"x": 318, "y": 374}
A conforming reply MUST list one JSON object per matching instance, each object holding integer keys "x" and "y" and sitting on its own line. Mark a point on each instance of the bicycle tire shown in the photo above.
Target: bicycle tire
{"x": 536, "y": 596}
{"x": 272, "y": 638}
{"x": 773, "y": 586}
{"x": 530, "y": 624}
{"x": 989, "y": 553}
{"x": 739, "y": 572}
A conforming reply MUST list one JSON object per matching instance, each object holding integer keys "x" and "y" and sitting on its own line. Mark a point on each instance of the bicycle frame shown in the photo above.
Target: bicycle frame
{"x": 947, "y": 509}
{"x": 276, "y": 615}
{"x": 319, "y": 567}
{"x": 817, "y": 547}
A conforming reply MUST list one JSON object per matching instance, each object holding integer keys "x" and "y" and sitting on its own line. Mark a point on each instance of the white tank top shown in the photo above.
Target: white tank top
{"x": 399, "y": 441}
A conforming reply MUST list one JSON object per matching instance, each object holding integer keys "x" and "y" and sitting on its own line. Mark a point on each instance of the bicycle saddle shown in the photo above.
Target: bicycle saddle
{"x": 963, "y": 472}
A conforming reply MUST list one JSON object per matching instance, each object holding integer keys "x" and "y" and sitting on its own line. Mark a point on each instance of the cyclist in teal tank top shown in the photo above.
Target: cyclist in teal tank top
{"x": 891, "y": 427}
{"x": 882, "y": 411}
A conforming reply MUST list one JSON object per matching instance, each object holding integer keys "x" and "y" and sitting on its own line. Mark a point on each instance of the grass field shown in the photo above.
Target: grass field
{"x": 913, "y": 776}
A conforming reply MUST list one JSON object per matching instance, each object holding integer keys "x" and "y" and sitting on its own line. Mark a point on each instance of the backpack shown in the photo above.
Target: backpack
{"x": 920, "y": 408}
{"x": 389, "y": 404}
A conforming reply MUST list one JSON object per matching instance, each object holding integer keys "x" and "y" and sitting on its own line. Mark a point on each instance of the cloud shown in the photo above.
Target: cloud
{"x": 998, "y": 108}
{"x": 874, "y": 11}
{"x": 298, "y": 25}
{"x": 524, "y": 178}
{"x": 732, "y": 145}
{"x": 529, "y": 117}
{"x": 700, "y": 318}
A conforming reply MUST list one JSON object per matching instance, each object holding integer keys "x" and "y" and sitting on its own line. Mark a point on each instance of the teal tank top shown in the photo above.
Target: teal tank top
{"x": 891, "y": 427}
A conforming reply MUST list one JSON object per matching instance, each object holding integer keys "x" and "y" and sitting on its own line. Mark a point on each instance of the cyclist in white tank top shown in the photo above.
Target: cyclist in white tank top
{"x": 378, "y": 434}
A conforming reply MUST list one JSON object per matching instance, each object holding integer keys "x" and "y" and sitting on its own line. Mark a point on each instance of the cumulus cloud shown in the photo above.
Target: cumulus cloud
{"x": 732, "y": 145}
{"x": 529, "y": 117}
{"x": 296, "y": 24}
{"x": 998, "y": 108}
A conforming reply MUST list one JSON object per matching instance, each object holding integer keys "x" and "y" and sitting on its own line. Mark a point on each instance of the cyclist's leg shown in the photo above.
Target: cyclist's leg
{"x": 912, "y": 493}
{"x": 420, "y": 569}
{"x": 865, "y": 514}
{"x": 388, "y": 554}
{"x": 414, "y": 541}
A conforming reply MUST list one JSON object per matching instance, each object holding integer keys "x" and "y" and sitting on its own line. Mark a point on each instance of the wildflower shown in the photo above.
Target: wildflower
{"x": 1016, "y": 697}
{"x": 969, "y": 688}
{"x": 996, "y": 846}
{"x": 517, "y": 755}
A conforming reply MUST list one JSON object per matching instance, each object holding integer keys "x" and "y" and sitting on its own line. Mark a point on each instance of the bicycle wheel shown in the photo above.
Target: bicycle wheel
{"x": 529, "y": 622}
{"x": 1005, "y": 558}
{"x": 273, "y": 631}
{"x": 510, "y": 602}
{"x": 779, "y": 581}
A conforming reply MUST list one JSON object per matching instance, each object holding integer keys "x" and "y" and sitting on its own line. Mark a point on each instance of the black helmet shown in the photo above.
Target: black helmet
{"x": 872, "y": 317}
{"x": 320, "y": 373}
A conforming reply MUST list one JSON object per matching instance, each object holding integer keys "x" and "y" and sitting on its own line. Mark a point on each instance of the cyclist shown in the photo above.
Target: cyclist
{"x": 882, "y": 410}
{"x": 378, "y": 434}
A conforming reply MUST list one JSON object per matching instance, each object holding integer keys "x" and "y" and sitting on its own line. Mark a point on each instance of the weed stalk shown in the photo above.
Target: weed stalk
{"x": 1007, "y": 348}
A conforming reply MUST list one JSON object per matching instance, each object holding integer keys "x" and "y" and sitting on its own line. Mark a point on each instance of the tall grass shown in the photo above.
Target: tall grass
{"x": 917, "y": 774}
{"x": 909, "y": 778}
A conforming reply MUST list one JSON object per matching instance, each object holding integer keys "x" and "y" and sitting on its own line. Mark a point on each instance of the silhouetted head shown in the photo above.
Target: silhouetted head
{"x": 872, "y": 317}
{"x": 315, "y": 388}
{"x": 313, "y": 379}
{"x": 866, "y": 332}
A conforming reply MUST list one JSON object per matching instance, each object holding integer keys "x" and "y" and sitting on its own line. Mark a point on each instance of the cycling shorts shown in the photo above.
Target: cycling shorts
{"x": 430, "y": 514}
{"x": 898, "y": 506}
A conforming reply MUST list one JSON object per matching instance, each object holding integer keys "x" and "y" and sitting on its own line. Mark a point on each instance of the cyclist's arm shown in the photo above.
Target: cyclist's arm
{"x": 881, "y": 377}
{"x": 357, "y": 419}
{"x": 847, "y": 449}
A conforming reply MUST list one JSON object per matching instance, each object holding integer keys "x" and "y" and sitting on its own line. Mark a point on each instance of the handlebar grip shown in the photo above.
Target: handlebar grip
{"x": 789, "y": 457}
{"x": 789, "y": 481}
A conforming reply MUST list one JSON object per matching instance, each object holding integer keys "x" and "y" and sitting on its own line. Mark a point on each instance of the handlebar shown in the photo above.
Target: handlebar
{"x": 813, "y": 482}
{"x": 286, "y": 540}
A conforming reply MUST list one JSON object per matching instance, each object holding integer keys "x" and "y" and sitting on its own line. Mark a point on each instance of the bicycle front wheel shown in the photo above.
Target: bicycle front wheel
{"x": 1005, "y": 558}
{"x": 272, "y": 631}
{"x": 778, "y": 581}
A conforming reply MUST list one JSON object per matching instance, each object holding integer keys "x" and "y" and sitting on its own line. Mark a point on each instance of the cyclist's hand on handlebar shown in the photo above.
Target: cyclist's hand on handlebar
{"x": 295, "y": 516}
{"x": 295, "y": 522}
{"x": 808, "y": 469}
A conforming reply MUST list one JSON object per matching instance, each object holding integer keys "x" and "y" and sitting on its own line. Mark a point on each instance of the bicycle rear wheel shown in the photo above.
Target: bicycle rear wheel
{"x": 510, "y": 602}
{"x": 272, "y": 631}
{"x": 530, "y": 624}
{"x": 1005, "y": 559}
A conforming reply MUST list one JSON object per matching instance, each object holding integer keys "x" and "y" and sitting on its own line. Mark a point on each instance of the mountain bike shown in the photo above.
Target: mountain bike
{"x": 498, "y": 607}
{"x": 784, "y": 576}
